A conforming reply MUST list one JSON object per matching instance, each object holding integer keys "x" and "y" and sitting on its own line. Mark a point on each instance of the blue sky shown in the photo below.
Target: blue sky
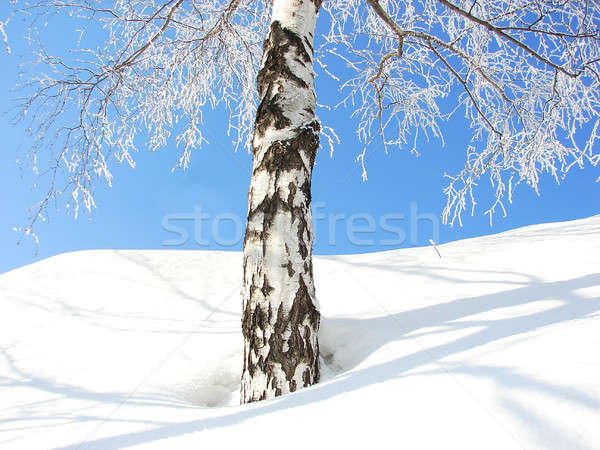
{"x": 133, "y": 213}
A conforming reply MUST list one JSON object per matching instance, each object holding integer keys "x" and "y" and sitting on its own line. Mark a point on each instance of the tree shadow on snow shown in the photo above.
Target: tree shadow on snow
{"x": 377, "y": 332}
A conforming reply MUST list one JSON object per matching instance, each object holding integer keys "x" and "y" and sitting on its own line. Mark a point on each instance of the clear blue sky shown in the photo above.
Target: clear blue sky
{"x": 130, "y": 215}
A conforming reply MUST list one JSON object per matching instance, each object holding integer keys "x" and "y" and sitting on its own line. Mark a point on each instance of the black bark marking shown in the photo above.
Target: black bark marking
{"x": 251, "y": 366}
{"x": 266, "y": 288}
{"x": 245, "y": 362}
{"x": 286, "y": 154}
{"x": 271, "y": 113}
{"x": 317, "y": 4}
{"x": 308, "y": 44}
{"x": 275, "y": 385}
{"x": 291, "y": 195}
{"x": 299, "y": 350}
{"x": 309, "y": 350}
{"x": 280, "y": 156}
{"x": 305, "y": 188}
{"x": 302, "y": 248}
{"x": 253, "y": 234}
{"x": 280, "y": 42}
{"x": 290, "y": 269}
{"x": 306, "y": 377}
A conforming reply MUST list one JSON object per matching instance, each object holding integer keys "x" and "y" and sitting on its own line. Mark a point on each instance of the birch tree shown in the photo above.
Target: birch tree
{"x": 525, "y": 75}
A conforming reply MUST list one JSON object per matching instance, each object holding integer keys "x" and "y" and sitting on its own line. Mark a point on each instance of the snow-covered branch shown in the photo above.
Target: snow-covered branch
{"x": 525, "y": 74}
{"x": 148, "y": 72}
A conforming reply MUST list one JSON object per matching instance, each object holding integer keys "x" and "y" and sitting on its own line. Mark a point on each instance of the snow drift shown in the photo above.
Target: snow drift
{"x": 494, "y": 345}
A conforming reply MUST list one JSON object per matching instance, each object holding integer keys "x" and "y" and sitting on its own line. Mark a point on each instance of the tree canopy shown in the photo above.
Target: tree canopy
{"x": 526, "y": 74}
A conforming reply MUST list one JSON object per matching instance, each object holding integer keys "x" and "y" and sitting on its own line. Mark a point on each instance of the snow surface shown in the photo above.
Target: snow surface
{"x": 494, "y": 345}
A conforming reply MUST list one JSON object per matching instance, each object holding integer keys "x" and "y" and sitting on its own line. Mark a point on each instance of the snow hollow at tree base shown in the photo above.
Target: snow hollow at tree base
{"x": 494, "y": 345}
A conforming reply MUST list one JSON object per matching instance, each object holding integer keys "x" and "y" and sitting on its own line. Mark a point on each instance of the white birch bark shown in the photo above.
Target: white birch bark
{"x": 281, "y": 319}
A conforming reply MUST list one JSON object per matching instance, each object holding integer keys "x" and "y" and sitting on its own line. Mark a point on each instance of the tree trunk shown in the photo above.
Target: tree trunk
{"x": 281, "y": 319}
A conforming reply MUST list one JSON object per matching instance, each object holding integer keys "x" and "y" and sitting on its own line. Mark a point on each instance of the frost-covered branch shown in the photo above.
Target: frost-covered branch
{"x": 142, "y": 74}
{"x": 525, "y": 74}
{"x": 3, "y": 34}
{"x": 500, "y": 31}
